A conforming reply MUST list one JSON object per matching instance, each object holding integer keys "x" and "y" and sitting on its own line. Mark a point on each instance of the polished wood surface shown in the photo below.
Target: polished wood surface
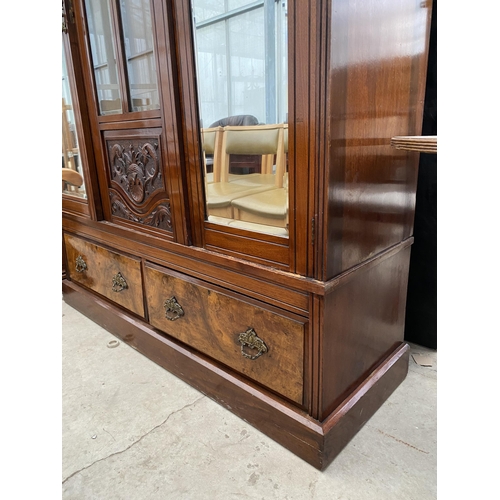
{"x": 273, "y": 286}
{"x": 350, "y": 416}
{"x": 102, "y": 266}
{"x": 318, "y": 443}
{"x": 375, "y": 92}
{"x": 136, "y": 182}
{"x": 328, "y": 301}
{"x": 363, "y": 319}
{"x": 212, "y": 321}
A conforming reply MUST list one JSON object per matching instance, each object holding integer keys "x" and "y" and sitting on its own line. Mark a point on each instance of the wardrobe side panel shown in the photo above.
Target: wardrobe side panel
{"x": 376, "y": 85}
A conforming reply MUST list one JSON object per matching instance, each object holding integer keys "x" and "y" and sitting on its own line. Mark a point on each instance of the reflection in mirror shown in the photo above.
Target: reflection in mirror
{"x": 72, "y": 176}
{"x": 138, "y": 39}
{"x": 241, "y": 53}
{"x": 103, "y": 56}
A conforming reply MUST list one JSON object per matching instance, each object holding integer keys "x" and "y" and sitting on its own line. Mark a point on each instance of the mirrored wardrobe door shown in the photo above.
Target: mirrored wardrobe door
{"x": 241, "y": 62}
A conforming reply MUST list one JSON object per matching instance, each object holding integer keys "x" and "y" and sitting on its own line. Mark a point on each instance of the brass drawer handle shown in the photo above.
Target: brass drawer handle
{"x": 80, "y": 265}
{"x": 119, "y": 283}
{"x": 251, "y": 340}
{"x": 173, "y": 309}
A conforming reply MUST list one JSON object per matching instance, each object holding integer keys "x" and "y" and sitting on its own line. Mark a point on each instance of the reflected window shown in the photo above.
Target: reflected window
{"x": 241, "y": 53}
{"x": 72, "y": 174}
{"x": 141, "y": 66}
{"x": 103, "y": 56}
{"x": 135, "y": 78}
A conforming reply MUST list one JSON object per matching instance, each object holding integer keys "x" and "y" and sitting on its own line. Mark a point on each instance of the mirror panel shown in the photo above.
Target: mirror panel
{"x": 241, "y": 56}
{"x": 72, "y": 173}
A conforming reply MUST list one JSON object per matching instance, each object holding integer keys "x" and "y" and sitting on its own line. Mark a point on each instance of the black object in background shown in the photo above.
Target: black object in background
{"x": 421, "y": 305}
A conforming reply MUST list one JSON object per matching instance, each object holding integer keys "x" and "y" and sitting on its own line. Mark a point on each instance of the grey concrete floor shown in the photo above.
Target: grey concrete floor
{"x": 133, "y": 431}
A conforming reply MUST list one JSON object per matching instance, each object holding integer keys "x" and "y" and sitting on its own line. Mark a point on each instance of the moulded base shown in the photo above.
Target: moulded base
{"x": 318, "y": 443}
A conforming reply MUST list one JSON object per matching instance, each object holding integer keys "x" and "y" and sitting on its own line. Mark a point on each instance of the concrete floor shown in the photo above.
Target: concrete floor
{"x": 131, "y": 430}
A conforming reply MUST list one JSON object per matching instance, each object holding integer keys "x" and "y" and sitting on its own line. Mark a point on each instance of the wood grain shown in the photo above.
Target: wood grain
{"x": 102, "y": 266}
{"x": 318, "y": 443}
{"x": 363, "y": 320}
{"x": 213, "y": 320}
{"x": 375, "y": 89}
{"x": 329, "y": 301}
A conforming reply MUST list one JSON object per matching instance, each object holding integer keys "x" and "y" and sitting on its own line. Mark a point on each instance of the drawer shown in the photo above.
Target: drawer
{"x": 116, "y": 276}
{"x": 263, "y": 343}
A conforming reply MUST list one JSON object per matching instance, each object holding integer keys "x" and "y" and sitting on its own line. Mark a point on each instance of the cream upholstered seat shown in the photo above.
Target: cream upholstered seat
{"x": 262, "y": 140}
{"x": 266, "y": 141}
{"x": 269, "y": 207}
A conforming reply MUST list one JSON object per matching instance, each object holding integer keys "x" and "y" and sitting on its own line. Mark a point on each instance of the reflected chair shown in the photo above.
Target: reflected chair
{"x": 269, "y": 207}
{"x": 240, "y": 163}
{"x": 71, "y": 177}
{"x": 210, "y": 144}
{"x": 266, "y": 141}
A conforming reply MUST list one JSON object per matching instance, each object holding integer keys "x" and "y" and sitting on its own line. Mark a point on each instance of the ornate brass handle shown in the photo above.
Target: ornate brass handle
{"x": 173, "y": 309}
{"x": 249, "y": 339}
{"x": 119, "y": 283}
{"x": 80, "y": 264}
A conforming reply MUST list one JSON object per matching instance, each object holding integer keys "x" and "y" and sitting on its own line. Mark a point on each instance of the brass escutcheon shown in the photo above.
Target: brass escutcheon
{"x": 251, "y": 340}
{"x": 173, "y": 309}
{"x": 80, "y": 264}
{"x": 119, "y": 283}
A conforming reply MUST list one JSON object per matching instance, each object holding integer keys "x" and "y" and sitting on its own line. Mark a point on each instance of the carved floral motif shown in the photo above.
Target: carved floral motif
{"x": 160, "y": 217}
{"x": 136, "y": 168}
{"x": 136, "y": 175}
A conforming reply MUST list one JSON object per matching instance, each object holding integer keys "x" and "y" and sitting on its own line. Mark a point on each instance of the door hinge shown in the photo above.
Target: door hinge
{"x": 313, "y": 230}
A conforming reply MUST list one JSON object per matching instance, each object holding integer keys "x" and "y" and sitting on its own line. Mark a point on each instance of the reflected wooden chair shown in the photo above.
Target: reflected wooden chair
{"x": 71, "y": 177}
{"x": 69, "y": 141}
{"x": 269, "y": 207}
{"x": 262, "y": 140}
{"x": 210, "y": 144}
{"x": 266, "y": 141}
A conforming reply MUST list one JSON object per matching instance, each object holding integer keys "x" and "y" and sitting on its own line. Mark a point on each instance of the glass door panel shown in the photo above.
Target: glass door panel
{"x": 241, "y": 54}
{"x": 140, "y": 57}
{"x": 103, "y": 56}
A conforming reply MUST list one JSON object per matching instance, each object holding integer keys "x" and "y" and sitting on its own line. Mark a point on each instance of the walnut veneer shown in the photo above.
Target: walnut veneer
{"x": 301, "y": 336}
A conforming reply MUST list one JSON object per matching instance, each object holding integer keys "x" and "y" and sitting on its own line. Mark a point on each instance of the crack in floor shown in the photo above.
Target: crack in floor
{"x": 402, "y": 442}
{"x": 135, "y": 442}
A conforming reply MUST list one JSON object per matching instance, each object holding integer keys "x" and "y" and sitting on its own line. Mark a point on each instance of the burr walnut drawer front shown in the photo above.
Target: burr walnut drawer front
{"x": 263, "y": 343}
{"x": 109, "y": 273}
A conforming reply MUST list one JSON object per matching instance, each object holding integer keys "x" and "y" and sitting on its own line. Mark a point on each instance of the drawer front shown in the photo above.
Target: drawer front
{"x": 111, "y": 274}
{"x": 263, "y": 344}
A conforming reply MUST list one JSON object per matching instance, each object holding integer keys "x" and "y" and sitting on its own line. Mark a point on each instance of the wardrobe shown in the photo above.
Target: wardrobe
{"x": 262, "y": 260}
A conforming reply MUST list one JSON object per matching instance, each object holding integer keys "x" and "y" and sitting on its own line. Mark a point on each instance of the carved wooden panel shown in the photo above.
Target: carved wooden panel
{"x": 136, "y": 188}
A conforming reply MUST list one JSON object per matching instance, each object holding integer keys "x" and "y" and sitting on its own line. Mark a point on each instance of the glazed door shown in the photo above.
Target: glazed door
{"x": 239, "y": 81}
{"x": 79, "y": 186}
{"x": 131, "y": 91}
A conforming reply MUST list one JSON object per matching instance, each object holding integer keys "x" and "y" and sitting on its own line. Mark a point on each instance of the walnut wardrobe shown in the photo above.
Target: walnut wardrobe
{"x": 262, "y": 260}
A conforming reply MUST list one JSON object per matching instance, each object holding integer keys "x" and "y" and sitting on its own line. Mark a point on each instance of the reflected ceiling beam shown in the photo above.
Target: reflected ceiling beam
{"x": 231, "y": 13}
